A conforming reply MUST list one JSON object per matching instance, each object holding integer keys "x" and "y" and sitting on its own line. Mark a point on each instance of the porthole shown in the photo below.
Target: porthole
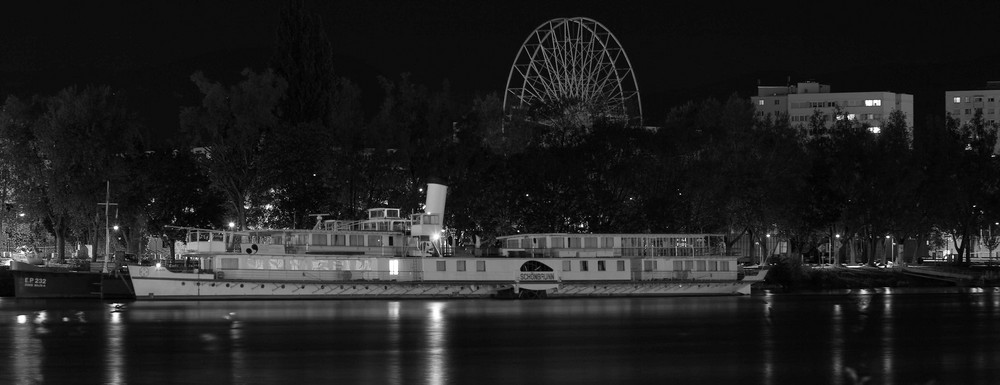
{"x": 241, "y": 285}
{"x": 182, "y": 283}
{"x": 303, "y": 286}
{"x": 282, "y": 286}
{"x": 227, "y": 285}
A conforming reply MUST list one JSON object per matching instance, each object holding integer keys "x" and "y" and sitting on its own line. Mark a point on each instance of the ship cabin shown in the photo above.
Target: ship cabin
{"x": 646, "y": 256}
{"x": 384, "y": 233}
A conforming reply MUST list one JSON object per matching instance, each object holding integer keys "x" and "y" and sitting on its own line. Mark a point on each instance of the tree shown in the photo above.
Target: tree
{"x": 74, "y": 142}
{"x": 168, "y": 188}
{"x": 304, "y": 58}
{"x": 963, "y": 164}
{"x": 235, "y": 125}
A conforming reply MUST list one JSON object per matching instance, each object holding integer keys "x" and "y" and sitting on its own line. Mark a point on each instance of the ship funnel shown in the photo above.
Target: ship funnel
{"x": 436, "y": 194}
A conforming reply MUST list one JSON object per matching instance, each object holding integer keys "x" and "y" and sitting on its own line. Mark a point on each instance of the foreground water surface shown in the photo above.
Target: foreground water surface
{"x": 831, "y": 338}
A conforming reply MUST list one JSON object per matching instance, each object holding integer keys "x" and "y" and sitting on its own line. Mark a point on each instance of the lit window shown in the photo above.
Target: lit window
{"x": 760, "y": 102}
{"x": 776, "y": 102}
{"x": 965, "y": 99}
{"x": 957, "y": 99}
{"x": 850, "y": 117}
{"x": 875, "y": 129}
{"x": 394, "y": 267}
{"x": 873, "y": 102}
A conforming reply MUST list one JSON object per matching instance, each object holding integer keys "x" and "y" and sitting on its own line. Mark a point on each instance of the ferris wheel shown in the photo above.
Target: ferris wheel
{"x": 573, "y": 68}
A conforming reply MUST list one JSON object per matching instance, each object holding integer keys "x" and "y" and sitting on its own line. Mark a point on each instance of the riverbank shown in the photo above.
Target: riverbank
{"x": 788, "y": 276}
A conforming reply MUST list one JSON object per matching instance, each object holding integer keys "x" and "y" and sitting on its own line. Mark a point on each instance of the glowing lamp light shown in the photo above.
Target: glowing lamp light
{"x": 115, "y": 227}
{"x": 158, "y": 265}
{"x": 231, "y": 225}
{"x": 21, "y": 215}
{"x": 435, "y": 237}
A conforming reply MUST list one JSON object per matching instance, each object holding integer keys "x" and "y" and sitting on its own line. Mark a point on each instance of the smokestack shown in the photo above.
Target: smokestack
{"x": 436, "y": 194}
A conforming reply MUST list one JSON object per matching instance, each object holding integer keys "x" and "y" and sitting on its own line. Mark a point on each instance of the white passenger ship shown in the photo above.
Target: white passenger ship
{"x": 387, "y": 256}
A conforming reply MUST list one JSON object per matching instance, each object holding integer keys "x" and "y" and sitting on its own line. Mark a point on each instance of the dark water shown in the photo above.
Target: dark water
{"x": 893, "y": 338}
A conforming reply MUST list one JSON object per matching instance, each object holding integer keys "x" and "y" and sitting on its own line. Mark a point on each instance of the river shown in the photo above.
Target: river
{"x": 890, "y": 337}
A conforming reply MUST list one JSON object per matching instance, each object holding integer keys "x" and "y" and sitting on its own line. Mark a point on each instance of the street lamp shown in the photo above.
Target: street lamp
{"x": 767, "y": 249}
{"x": 834, "y": 259}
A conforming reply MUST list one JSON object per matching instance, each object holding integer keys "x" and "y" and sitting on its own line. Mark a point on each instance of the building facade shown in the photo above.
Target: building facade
{"x": 963, "y": 105}
{"x": 801, "y": 101}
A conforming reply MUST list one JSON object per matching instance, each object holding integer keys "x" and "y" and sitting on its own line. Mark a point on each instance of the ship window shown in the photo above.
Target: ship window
{"x": 480, "y": 265}
{"x": 230, "y": 263}
{"x": 339, "y": 240}
{"x": 574, "y": 242}
{"x": 609, "y": 243}
{"x": 601, "y": 266}
{"x": 390, "y": 240}
{"x": 724, "y": 266}
{"x": 647, "y": 265}
{"x": 357, "y": 240}
{"x": 713, "y": 265}
{"x": 513, "y": 244}
{"x": 558, "y": 242}
{"x": 583, "y": 266}
{"x": 319, "y": 239}
{"x": 540, "y": 243}
{"x": 688, "y": 265}
{"x": 567, "y": 265}
{"x": 678, "y": 265}
{"x": 700, "y": 265}
{"x": 621, "y": 265}
{"x": 374, "y": 240}
{"x": 590, "y": 242}
{"x": 459, "y": 265}
{"x": 441, "y": 265}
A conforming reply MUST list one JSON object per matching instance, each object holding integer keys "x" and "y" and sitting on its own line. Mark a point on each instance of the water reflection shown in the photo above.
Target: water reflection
{"x": 886, "y": 335}
{"x": 436, "y": 352}
{"x": 394, "y": 364}
{"x": 115, "y": 371}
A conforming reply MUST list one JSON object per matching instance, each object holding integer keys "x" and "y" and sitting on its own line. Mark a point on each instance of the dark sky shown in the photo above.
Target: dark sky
{"x": 679, "y": 52}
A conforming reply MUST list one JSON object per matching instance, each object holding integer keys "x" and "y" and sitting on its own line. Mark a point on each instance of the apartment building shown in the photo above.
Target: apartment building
{"x": 803, "y": 99}
{"x": 963, "y": 105}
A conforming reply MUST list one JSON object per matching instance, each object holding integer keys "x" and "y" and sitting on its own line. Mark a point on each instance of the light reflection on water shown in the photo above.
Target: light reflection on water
{"x": 890, "y": 336}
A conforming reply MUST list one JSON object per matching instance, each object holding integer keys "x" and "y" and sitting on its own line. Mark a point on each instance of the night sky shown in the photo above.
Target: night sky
{"x": 685, "y": 51}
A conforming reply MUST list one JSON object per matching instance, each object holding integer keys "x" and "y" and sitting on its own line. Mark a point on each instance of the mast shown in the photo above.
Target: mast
{"x": 107, "y": 230}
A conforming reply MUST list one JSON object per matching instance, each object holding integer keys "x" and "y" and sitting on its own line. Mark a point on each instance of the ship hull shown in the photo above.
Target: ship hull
{"x": 160, "y": 284}
{"x": 31, "y": 281}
